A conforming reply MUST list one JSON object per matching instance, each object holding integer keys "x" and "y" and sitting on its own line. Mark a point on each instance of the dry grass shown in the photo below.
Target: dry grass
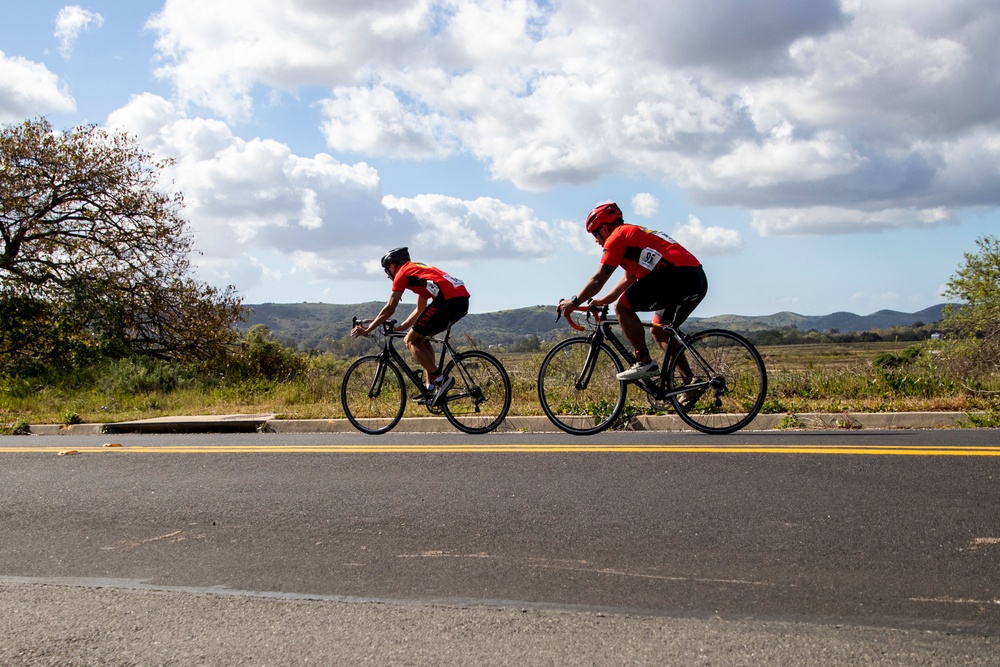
{"x": 802, "y": 378}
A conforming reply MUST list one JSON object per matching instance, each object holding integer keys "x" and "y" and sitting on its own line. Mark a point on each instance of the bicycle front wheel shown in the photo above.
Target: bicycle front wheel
{"x": 373, "y": 395}
{"x": 577, "y": 386}
{"x": 729, "y": 382}
{"x": 480, "y": 398}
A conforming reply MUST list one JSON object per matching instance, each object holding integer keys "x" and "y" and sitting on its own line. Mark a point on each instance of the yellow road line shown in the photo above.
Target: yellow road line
{"x": 522, "y": 448}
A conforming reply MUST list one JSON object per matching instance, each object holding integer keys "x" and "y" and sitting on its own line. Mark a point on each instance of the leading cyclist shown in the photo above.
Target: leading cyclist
{"x": 449, "y": 302}
{"x": 660, "y": 275}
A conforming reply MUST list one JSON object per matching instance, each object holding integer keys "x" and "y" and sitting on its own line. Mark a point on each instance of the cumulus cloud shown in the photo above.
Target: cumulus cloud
{"x": 376, "y": 121}
{"x": 822, "y": 220}
{"x": 702, "y": 240}
{"x": 778, "y": 107}
{"x": 482, "y": 228}
{"x": 70, "y": 22}
{"x": 645, "y": 205}
{"x": 30, "y": 89}
{"x": 326, "y": 217}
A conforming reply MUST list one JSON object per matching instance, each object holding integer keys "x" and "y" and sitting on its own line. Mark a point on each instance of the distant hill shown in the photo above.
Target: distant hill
{"x": 842, "y": 322}
{"x": 313, "y": 326}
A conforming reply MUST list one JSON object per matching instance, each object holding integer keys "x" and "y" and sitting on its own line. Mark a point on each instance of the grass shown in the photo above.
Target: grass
{"x": 834, "y": 378}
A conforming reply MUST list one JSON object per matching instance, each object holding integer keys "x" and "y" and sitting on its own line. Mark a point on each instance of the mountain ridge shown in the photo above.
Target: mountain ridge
{"x": 314, "y": 326}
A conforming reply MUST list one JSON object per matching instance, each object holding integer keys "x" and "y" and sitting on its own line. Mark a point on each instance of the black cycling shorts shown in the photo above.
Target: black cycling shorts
{"x": 440, "y": 313}
{"x": 672, "y": 291}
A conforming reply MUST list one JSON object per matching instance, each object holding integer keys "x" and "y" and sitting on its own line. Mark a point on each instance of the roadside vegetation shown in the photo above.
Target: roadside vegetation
{"x": 101, "y": 320}
{"x": 265, "y": 377}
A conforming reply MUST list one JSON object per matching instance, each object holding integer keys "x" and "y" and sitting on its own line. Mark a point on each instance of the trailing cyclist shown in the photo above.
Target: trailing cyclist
{"x": 449, "y": 302}
{"x": 660, "y": 275}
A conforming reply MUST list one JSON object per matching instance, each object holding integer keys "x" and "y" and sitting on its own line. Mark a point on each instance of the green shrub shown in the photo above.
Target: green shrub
{"x": 139, "y": 376}
{"x": 260, "y": 356}
{"x": 988, "y": 419}
{"x": 892, "y": 360}
{"x": 789, "y": 421}
{"x": 20, "y": 427}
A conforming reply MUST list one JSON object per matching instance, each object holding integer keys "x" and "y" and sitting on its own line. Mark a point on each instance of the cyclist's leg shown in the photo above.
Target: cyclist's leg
{"x": 641, "y": 296}
{"x": 690, "y": 285}
{"x": 422, "y": 352}
{"x": 431, "y": 321}
{"x": 632, "y": 328}
{"x": 438, "y": 316}
{"x": 674, "y": 292}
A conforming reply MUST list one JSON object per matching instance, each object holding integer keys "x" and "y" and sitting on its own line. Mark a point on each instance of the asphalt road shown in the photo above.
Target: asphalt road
{"x": 785, "y": 548}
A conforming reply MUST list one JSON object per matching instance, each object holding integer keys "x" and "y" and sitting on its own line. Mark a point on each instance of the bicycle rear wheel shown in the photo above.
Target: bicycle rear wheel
{"x": 577, "y": 386}
{"x": 373, "y": 395}
{"x": 480, "y": 398}
{"x": 729, "y": 384}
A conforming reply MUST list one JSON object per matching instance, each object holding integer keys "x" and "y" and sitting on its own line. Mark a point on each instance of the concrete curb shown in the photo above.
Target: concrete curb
{"x": 267, "y": 423}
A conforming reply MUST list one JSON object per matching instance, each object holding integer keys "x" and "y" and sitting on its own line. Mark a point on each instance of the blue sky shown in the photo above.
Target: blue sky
{"x": 817, "y": 157}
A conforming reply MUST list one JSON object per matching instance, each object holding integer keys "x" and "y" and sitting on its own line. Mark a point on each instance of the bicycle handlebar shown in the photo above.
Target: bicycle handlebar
{"x": 387, "y": 326}
{"x": 597, "y": 311}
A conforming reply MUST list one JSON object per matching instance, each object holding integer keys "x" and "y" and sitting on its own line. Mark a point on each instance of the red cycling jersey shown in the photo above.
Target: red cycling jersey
{"x": 428, "y": 281}
{"x": 639, "y": 250}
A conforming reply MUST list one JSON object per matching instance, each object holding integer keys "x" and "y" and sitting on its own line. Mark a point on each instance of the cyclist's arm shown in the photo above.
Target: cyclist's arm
{"x": 612, "y": 296}
{"x": 412, "y": 318}
{"x": 592, "y": 287}
{"x": 387, "y": 310}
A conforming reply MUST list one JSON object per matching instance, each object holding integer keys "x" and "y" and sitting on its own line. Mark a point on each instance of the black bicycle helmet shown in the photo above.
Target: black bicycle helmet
{"x": 395, "y": 256}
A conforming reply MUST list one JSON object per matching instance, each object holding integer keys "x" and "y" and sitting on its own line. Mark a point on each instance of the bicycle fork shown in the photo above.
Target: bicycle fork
{"x": 376, "y": 387}
{"x": 588, "y": 367}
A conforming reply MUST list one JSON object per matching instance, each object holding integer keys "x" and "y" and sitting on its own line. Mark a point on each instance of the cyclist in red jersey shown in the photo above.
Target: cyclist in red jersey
{"x": 660, "y": 275}
{"x": 449, "y": 302}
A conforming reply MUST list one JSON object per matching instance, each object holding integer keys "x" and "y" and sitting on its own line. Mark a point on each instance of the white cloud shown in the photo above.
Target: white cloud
{"x": 482, "y": 228}
{"x": 645, "y": 205}
{"x": 575, "y": 234}
{"x": 29, "y": 89}
{"x": 256, "y": 194}
{"x": 375, "y": 121}
{"x": 326, "y": 217}
{"x": 783, "y": 159}
{"x": 702, "y": 240}
{"x": 831, "y": 220}
{"x": 782, "y": 108}
{"x": 70, "y": 22}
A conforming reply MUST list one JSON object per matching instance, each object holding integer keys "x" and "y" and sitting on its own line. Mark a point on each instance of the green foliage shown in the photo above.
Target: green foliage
{"x": 94, "y": 260}
{"x": 892, "y": 360}
{"x": 789, "y": 421}
{"x": 988, "y": 419}
{"x": 918, "y": 331}
{"x": 139, "y": 376}
{"x": 260, "y": 356}
{"x": 19, "y": 427}
{"x": 976, "y": 321}
{"x": 772, "y": 407}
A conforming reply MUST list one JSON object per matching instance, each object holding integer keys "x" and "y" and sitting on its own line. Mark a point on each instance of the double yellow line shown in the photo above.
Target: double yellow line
{"x": 875, "y": 450}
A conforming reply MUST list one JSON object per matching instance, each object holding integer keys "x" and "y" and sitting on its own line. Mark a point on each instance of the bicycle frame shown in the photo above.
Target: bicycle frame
{"x": 655, "y": 387}
{"x": 390, "y": 354}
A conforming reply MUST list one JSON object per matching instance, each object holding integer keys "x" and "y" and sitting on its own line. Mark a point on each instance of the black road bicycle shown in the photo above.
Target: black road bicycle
{"x": 581, "y": 395}
{"x": 373, "y": 392}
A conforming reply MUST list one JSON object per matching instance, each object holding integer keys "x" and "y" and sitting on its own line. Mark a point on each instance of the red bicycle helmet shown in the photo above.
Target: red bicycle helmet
{"x": 605, "y": 214}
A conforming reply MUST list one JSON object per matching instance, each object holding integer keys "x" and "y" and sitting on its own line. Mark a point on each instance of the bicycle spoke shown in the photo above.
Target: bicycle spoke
{"x": 373, "y": 395}
{"x": 480, "y": 398}
{"x": 728, "y": 382}
{"x": 577, "y": 386}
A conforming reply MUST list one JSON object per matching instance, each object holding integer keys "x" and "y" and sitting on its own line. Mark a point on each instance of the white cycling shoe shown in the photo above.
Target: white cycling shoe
{"x": 639, "y": 370}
